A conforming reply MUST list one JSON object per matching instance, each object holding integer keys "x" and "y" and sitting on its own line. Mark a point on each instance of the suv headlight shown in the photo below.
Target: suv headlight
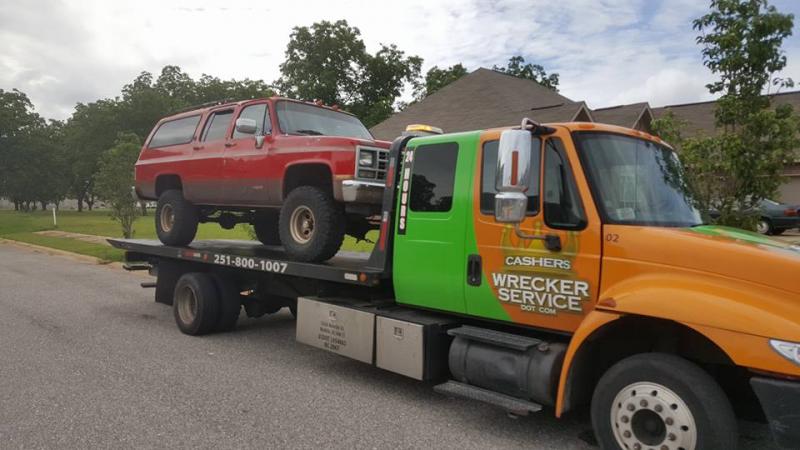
{"x": 788, "y": 350}
{"x": 366, "y": 158}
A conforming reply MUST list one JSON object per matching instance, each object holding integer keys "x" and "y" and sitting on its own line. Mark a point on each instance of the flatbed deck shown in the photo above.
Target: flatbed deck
{"x": 345, "y": 267}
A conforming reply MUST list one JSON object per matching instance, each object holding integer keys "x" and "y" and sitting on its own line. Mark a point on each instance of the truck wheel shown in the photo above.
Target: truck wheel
{"x": 176, "y": 219}
{"x": 196, "y": 304}
{"x": 265, "y": 225}
{"x": 312, "y": 225}
{"x": 657, "y": 400}
{"x": 230, "y": 303}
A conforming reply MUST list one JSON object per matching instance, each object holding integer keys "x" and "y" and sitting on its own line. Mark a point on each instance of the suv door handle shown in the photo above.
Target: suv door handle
{"x": 474, "y": 270}
{"x": 197, "y": 147}
{"x": 230, "y": 144}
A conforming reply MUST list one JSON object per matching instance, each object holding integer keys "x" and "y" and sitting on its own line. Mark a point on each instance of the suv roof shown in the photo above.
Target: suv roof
{"x": 202, "y": 108}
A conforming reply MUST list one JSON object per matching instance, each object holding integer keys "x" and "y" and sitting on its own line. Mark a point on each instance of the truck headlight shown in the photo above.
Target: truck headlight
{"x": 788, "y": 350}
{"x": 366, "y": 158}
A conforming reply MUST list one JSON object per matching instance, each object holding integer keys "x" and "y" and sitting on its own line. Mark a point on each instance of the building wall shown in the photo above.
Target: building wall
{"x": 790, "y": 191}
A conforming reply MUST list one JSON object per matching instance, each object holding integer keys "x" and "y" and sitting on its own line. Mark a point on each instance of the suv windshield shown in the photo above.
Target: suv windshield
{"x": 299, "y": 118}
{"x": 636, "y": 181}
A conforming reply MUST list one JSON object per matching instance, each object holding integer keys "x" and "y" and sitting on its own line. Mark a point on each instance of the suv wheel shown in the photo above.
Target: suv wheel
{"x": 265, "y": 224}
{"x": 658, "y": 400}
{"x": 176, "y": 219}
{"x": 312, "y": 224}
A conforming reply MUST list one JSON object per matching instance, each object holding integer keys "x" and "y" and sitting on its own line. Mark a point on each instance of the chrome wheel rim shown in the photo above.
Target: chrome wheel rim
{"x": 167, "y": 217}
{"x": 762, "y": 227}
{"x": 301, "y": 224}
{"x": 187, "y": 305}
{"x": 648, "y": 415}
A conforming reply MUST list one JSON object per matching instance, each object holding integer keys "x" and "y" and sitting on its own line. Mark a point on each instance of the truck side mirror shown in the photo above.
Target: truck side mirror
{"x": 513, "y": 176}
{"x": 246, "y": 126}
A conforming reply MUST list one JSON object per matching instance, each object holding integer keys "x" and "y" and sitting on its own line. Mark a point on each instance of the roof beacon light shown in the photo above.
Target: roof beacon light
{"x": 423, "y": 129}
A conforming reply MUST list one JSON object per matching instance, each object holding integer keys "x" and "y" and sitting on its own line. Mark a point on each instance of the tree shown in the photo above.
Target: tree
{"x": 516, "y": 66}
{"x": 114, "y": 180}
{"x": 733, "y": 170}
{"x": 437, "y": 78}
{"x": 329, "y": 62}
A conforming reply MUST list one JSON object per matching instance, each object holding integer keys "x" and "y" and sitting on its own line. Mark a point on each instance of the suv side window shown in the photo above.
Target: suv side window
{"x": 257, "y": 112}
{"x": 489, "y": 175}
{"x": 175, "y": 132}
{"x": 433, "y": 177}
{"x": 217, "y": 125}
{"x": 562, "y": 203}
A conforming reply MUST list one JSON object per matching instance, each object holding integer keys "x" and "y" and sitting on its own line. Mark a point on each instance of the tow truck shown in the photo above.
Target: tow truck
{"x": 540, "y": 267}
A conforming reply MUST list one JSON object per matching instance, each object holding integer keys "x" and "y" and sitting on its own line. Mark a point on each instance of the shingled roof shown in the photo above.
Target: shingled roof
{"x": 483, "y": 99}
{"x": 637, "y": 116}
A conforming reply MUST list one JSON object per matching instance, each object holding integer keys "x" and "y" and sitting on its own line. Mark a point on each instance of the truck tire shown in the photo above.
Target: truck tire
{"x": 196, "y": 303}
{"x": 312, "y": 225}
{"x": 658, "y": 400}
{"x": 265, "y": 224}
{"x": 176, "y": 219}
{"x": 230, "y": 303}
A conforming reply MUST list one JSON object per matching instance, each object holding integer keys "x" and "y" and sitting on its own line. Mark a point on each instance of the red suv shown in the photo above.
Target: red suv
{"x": 302, "y": 173}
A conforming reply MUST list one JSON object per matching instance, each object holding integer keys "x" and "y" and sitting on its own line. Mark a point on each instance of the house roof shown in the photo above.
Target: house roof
{"x": 482, "y": 99}
{"x": 636, "y": 115}
{"x": 700, "y": 118}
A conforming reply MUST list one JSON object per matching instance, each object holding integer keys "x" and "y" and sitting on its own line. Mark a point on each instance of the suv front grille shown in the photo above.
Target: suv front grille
{"x": 376, "y": 169}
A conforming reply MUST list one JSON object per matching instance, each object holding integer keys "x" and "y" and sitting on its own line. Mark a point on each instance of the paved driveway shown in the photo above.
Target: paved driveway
{"x": 88, "y": 360}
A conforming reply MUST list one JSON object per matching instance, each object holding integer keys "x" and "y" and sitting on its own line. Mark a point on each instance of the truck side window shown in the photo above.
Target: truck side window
{"x": 175, "y": 132}
{"x": 217, "y": 125}
{"x": 256, "y": 112}
{"x": 562, "y": 203}
{"x": 489, "y": 173}
{"x": 433, "y": 177}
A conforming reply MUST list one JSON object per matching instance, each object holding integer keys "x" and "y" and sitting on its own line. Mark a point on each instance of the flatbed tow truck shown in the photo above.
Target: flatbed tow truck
{"x": 547, "y": 267}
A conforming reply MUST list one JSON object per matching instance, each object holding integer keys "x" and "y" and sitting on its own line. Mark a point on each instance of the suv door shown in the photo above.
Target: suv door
{"x": 520, "y": 280}
{"x": 208, "y": 159}
{"x": 249, "y": 180}
{"x": 429, "y": 253}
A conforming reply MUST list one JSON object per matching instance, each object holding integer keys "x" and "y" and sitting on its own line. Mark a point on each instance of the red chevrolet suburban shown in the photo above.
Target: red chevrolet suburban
{"x": 301, "y": 173}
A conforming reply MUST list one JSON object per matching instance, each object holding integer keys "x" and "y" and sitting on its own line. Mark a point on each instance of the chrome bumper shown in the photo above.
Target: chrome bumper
{"x": 354, "y": 191}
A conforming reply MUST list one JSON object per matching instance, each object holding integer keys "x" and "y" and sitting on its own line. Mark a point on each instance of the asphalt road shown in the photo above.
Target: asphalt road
{"x": 88, "y": 360}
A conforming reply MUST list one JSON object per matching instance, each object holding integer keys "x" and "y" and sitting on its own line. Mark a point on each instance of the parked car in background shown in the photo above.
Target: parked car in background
{"x": 777, "y": 217}
{"x": 303, "y": 174}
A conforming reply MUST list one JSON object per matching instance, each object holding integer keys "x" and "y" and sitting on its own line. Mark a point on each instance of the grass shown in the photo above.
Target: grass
{"x": 22, "y": 227}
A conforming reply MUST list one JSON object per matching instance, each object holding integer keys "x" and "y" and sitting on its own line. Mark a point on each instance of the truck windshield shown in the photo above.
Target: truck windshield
{"x": 636, "y": 181}
{"x": 299, "y": 118}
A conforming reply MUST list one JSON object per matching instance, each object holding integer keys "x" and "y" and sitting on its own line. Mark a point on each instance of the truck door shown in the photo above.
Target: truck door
{"x": 520, "y": 280}
{"x": 246, "y": 168}
{"x": 204, "y": 184}
{"x": 433, "y": 210}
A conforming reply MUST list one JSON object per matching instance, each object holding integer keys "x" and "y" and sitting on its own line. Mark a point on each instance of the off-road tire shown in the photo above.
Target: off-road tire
{"x": 184, "y": 222}
{"x": 202, "y": 317}
{"x": 265, "y": 224}
{"x": 230, "y": 303}
{"x": 328, "y": 224}
{"x": 707, "y": 404}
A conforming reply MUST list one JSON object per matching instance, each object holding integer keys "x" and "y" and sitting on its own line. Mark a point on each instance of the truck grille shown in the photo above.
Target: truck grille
{"x": 376, "y": 169}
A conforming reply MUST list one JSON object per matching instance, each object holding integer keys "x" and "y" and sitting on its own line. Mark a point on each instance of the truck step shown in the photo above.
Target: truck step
{"x": 508, "y": 340}
{"x": 516, "y": 406}
{"x": 136, "y": 266}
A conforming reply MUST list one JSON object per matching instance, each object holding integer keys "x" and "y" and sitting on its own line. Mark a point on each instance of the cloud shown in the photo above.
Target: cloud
{"x": 606, "y": 51}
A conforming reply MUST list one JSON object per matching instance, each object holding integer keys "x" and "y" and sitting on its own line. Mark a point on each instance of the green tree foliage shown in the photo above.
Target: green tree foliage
{"x": 114, "y": 179}
{"x": 516, "y": 66}
{"x": 328, "y": 61}
{"x": 437, "y": 78}
{"x": 733, "y": 170}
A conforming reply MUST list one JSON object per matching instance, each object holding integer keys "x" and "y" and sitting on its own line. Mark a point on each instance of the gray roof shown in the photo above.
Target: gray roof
{"x": 482, "y": 99}
{"x": 636, "y": 115}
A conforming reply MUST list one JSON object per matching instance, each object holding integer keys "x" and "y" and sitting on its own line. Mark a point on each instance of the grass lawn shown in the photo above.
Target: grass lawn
{"x": 21, "y": 227}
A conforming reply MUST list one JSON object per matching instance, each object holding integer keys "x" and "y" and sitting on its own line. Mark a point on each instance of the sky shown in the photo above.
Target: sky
{"x": 607, "y": 52}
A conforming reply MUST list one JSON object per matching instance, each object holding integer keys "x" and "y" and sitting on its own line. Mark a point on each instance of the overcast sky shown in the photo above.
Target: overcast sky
{"x": 607, "y": 52}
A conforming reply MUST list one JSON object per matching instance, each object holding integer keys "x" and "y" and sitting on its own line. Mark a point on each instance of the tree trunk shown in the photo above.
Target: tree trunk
{"x": 44, "y": 206}
{"x": 143, "y": 205}
{"x": 80, "y": 204}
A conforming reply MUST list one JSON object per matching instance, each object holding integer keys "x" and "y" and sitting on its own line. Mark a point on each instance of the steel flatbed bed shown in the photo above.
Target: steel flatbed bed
{"x": 346, "y": 267}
